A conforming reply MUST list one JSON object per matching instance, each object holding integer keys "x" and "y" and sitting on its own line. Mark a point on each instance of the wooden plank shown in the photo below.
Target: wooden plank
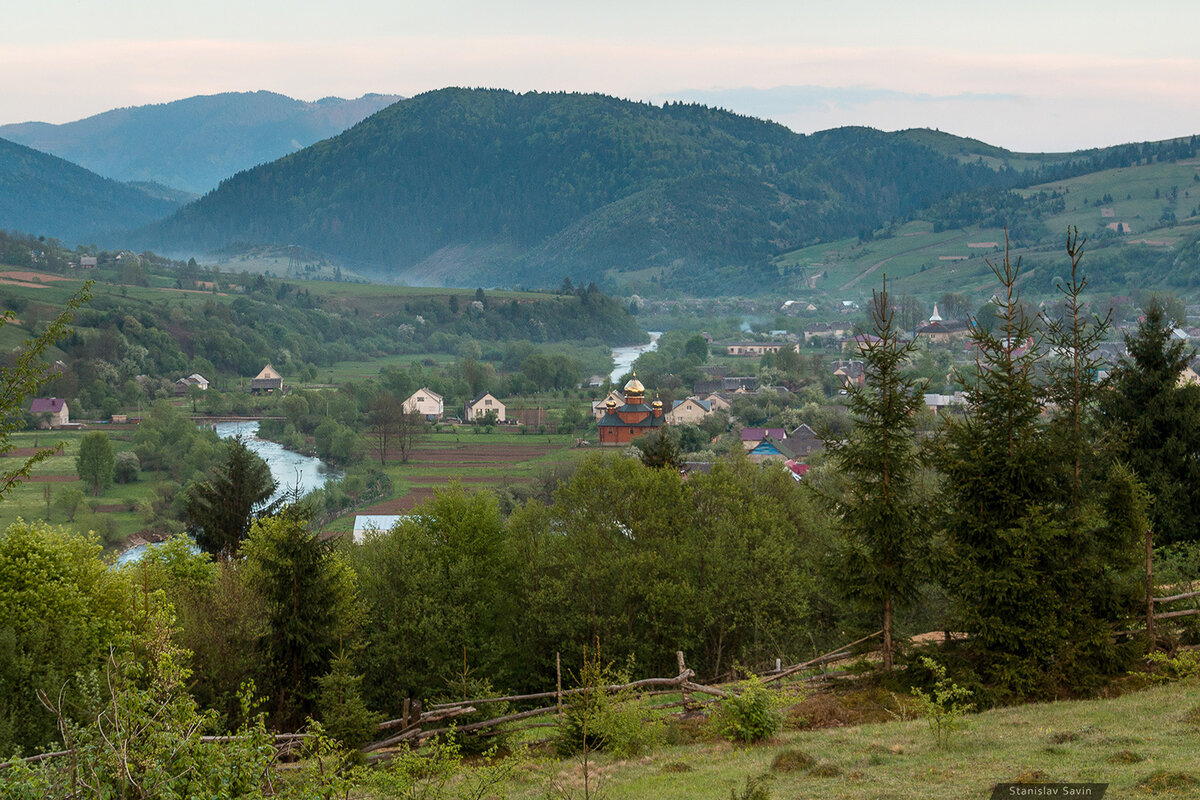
{"x": 1187, "y": 612}
{"x": 1174, "y": 597}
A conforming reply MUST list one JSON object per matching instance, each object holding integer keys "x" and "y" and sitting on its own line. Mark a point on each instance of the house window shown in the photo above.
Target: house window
{"x": 487, "y": 402}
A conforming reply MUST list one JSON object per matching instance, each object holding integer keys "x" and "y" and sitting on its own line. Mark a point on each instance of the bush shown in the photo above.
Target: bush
{"x": 464, "y": 687}
{"x": 1168, "y": 669}
{"x": 943, "y": 707}
{"x": 596, "y": 719}
{"x": 754, "y": 714}
{"x": 127, "y": 467}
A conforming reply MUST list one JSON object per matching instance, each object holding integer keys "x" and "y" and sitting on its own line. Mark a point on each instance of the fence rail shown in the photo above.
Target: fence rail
{"x": 412, "y": 727}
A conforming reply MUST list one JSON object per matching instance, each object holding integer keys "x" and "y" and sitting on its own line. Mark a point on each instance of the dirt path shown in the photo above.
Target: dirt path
{"x": 863, "y": 274}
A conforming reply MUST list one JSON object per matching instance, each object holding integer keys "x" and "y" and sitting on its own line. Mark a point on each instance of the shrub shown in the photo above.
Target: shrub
{"x": 126, "y": 467}
{"x": 751, "y": 715}
{"x": 755, "y": 789}
{"x": 464, "y": 687}
{"x": 943, "y": 707}
{"x": 1168, "y": 669}
{"x": 596, "y": 719}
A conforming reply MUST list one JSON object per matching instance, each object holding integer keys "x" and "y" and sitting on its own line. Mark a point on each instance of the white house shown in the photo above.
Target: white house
{"x": 425, "y": 402}
{"x": 55, "y": 410}
{"x": 481, "y": 405}
{"x": 689, "y": 410}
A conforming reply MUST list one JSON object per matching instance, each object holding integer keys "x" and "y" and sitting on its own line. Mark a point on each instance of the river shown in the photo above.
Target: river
{"x": 623, "y": 357}
{"x": 289, "y": 469}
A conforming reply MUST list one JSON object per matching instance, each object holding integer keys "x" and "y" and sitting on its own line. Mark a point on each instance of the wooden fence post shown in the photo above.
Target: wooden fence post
{"x": 1150, "y": 585}
{"x": 558, "y": 683}
{"x": 683, "y": 690}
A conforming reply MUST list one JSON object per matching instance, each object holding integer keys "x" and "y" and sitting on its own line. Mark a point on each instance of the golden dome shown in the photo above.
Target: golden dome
{"x": 656, "y": 404}
{"x": 634, "y": 387}
{"x": 611, "y": 404}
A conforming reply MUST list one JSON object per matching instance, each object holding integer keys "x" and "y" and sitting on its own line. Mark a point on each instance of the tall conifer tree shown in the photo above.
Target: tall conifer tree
{"x": 1156, "y": 419}
{"x": 886, "y": 536}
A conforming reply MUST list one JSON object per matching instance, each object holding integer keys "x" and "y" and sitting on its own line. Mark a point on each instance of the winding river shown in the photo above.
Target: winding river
{"x": 623, "y": 357}
{"x": 291, "y": 471}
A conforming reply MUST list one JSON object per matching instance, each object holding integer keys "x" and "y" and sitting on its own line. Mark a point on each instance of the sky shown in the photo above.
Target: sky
{"x": 1051, "y": 75}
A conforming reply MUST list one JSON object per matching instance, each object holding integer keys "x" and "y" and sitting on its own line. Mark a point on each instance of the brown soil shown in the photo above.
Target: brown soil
{"x": 475, "y": 455}
{"x": 475, "y": 480}
{"x": 34, "y": 277}
{"x": 21, "y": 452}
{"x": 398, "y": 506}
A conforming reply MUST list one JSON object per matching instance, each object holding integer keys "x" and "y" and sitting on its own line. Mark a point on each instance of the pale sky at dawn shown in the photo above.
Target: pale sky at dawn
{"x": 1024, "y": 75}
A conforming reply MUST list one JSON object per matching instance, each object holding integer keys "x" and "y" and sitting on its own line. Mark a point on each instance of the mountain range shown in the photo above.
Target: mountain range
{"x": 193, "y": 144}
{"x": 489, "y": 186}
{"x": 476, "y": 187}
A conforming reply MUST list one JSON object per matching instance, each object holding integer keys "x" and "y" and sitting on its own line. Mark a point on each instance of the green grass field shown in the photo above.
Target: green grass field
{"x": 1143, "y": 744}
{"x": 28, "y": 499}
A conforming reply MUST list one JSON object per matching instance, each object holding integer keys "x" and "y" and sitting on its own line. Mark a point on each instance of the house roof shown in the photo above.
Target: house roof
{"x": 268, "y": 373}
{"x": 780, "y": 445}
{"x": 702, "y": 403}
{"x": 481, "y": 396}
{"x": 52, "y": 405}
{"x": 803, "y": 431}
{"x": 798, "y": 470}
{"x": 427, "y": 391}
{"x": 758, "y": 434}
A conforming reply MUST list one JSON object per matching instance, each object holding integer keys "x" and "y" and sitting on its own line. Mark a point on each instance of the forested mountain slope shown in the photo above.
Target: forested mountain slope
{"x": 49, "y": 196}
{"x": 468, "y": 186}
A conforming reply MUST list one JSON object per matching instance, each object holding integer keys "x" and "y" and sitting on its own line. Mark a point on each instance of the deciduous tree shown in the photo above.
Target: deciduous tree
{"x": 21, "y": 380}
{"x": 95, "y": 463}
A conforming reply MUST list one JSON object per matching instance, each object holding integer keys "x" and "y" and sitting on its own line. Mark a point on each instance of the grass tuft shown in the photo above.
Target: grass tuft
{"x": 1165, "y": 781}
{"x": 825, "y": 770}
{"x": 792, "y": 761}
{"x": 1033, "y": 776}
{"x": 1125, "y": 757}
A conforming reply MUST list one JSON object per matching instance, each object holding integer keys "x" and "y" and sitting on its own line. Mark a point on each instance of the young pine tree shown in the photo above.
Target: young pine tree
{"x": 1156, "y": 420}
{"x": 1002, "y": 526}
{"x": 1036, "y": 573}
{"x": 885, "y": 534}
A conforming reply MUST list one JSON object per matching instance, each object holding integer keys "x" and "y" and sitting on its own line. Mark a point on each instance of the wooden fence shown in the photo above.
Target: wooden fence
{"x": 414, "y": 727}
{"x": 415, "y": 724}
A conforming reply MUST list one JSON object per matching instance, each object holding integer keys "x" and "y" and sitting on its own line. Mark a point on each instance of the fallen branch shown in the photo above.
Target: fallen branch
{"x": 819, "y": 659}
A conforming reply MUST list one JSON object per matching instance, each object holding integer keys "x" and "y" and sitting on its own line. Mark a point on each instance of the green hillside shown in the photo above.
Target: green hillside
{"x": 946, "y": 247}
{"x": 548, "y": 186}
{"x": 52, "y": 197}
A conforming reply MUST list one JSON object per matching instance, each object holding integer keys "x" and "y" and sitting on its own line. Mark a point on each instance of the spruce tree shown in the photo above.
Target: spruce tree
{"x": 1099, "y": 553}
{"x": 1038, "y": 572}
{"x": 885, "y": 533}
{"x": 221, "y": 507}
{"x": 312, "y": 609}
{"x": 1156, "y": 421}
{"x": 1002, "y": 526}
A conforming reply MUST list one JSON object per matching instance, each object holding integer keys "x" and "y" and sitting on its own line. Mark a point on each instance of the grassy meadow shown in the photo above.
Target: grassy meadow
{"x": 1143, "y": 744}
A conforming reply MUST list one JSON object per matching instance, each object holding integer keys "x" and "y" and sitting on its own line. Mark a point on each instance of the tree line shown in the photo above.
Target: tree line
{"x": 1023, "y": 524}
